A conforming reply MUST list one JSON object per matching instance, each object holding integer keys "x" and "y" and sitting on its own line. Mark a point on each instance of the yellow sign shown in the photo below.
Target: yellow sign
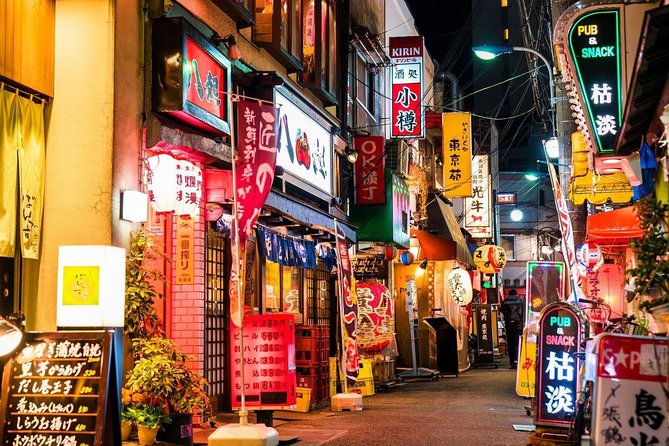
{"x": 527, "y": 365}
{"x": 185, "y": 240}
{"x": 457, "y": 154}
{"x": 81, "y": 285}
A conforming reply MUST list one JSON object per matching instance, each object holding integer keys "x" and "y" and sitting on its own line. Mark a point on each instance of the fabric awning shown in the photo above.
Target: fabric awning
{"x": 433, "y": 247}
{"x": 613, "y": 229}
{"x": 440, "y": 217}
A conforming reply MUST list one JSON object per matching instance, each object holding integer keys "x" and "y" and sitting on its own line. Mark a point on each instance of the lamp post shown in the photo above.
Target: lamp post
{"x": 489, "y": 52}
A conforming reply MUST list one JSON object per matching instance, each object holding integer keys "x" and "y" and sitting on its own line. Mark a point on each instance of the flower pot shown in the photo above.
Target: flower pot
{"x": 146, "y": 435}
{"x": 179, "y": 431}
{"x": 126, "y": 430}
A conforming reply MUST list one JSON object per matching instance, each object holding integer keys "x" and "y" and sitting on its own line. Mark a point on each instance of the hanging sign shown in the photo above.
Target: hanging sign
{"x": 406, "y": 116}
{"x": 490, "y": 259}
{"x": 457, "y": 156}
{"x": 191, "y": 77}
{"x": 348, "y": 309}
{"x": 185, "y": 255}
{"x": 56, "y": 391}
{"x": 460, "y": 286}
{"x": 630, "y": 404}
{"x": 594, "y": 41}
{"x": 369, "y": 170}
{"x": 485, "y": 353}
{"x": 478, "y": 204}
{"x": 269, "y": 362}
{"x": 560, "y": 335}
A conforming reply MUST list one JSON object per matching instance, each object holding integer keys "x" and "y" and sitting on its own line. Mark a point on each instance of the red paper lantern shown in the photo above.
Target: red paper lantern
{"x": 390, "y": 253}
{"x": 406, "y": 258}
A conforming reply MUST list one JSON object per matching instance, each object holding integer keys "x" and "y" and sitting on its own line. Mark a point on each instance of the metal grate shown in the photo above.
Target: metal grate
{"x": 216, "y": 312}
{"x": 317, "y": 292}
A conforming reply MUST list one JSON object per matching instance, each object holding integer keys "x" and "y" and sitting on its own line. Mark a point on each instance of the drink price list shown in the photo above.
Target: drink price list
{"x": 54, "y": 391}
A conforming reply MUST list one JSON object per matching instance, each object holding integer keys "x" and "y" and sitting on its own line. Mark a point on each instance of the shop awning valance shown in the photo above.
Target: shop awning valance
{"x": 613, "y": 229}
{"x": 433, "y": 247}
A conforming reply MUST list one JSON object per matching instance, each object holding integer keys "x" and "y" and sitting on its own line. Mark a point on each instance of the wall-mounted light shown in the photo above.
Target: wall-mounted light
{"x": 134, "y": 206}
{"x": 516, "y": 215}
{"x": 423, "y": 264}
{"x": 230, "y": 42}
{"x": 10, "y": 337}
{"x": 351, "y": 155}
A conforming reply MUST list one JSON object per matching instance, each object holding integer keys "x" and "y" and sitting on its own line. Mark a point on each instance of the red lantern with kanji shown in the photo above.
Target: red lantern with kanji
{"x": 589, "y": 255}
{"x": 390, "y": 252}
{"x": 608, "y": 284}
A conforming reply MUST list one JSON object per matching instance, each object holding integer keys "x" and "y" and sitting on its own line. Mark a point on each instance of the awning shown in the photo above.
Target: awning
{"x": 433, "y": 247}
{"x": 613, "y": 229}
{"x": 440, "y": 217}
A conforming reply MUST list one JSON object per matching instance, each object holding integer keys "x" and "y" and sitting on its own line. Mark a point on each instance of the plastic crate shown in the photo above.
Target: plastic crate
{"x": 364, "y": 387}
{"x": 303, "y": 399}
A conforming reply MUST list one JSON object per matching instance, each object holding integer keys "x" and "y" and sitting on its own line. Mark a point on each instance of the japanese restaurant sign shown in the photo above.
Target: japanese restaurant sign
{"x": 406, "y": 116}
{"x": 560, "y": 335}
{"x": 55, "y": 391}
{"x": 256, "y": 163}
{"x": 185, "y": 246}
{"x": 484, "y": 329}
{"x": 594, "y": 41}
{"x": 369, "y": 170}
{"x": 269, "y": 362}
{"x": 457, "y": 157}
{"x": 478, "y": 204}
{"x": 348, "y": 309}
{"x": 173, "y": 185}
{"x": 191, "y": 77}
{"x": 630, "y": 406}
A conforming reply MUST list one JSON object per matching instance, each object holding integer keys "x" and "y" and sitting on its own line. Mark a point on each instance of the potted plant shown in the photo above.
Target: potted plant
{"x": 127, "y": 417}
{"x": 161, "y": 369}
{"x": 148, "y": 415}
{"x": 650, "y": 275}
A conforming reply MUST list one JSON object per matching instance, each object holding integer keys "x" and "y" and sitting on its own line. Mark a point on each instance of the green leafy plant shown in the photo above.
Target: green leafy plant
{"x": 651, "y": 273}
{"x": 160, "y": 369}
{"x": 141, "y": 319}
{"x": 144, "y": 410}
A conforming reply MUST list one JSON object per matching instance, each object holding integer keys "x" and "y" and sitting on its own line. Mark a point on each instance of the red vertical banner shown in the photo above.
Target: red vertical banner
{"x": 369, "y": 170}
{"x": 348, "y": 310}
{"x": 255, "y": 165}
{"x": 406, "y": 56}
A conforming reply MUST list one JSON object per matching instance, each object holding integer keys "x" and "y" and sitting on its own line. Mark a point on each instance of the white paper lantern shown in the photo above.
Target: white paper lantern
{"x": 460, "y": 286}
{"x": 160, "y": 179}
{"x": 189, "y": 188}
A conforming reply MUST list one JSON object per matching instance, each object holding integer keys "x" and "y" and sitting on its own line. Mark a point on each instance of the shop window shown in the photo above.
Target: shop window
{"x": 509, "y": 245}
{"x": 241, "y": 11}
{"x": 278, "y": 29}
{"x": 283, "y": 290}
{"x": 319, "y": 55}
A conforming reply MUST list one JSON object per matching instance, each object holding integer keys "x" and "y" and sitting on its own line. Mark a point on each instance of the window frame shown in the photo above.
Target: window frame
{"x": 241, "y": 11}
{"x": 284, "y": 55}
{"x": 325, "y": 61}
{"x": 512, "y": 239}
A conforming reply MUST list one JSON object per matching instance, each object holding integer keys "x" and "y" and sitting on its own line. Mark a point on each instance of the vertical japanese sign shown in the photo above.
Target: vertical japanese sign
{"x": 457, "y": 154}
{"x": 189, "y": 188}
{"x": 185, "y": 247}
{"x": 269, "y": 362}
{"x": 527, "y": 365}
{"x": 560, "y": 334}
{"x": 484, "y": 328}
{"x": 256, "y": 162}
{"x": 478, "y": 204}
{"x": 565, "y": 229}
{"x": 630, "y": 406}
{"x": 594, "y": 41}
{"x": 406, "y": 57}
{"x": 348, "y": 309}
{"x": 369, "y": 170}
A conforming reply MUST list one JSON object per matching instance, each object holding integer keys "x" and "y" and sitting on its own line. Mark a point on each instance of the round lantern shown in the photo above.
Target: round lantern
{"x": 490, "y": 259}
{"x": 590, "y": 256}
{"x": 460, "y": 286}
{"x": 406, "y": 258}
{"x": 390, "y": 252}
{"x": 160, "y": 179}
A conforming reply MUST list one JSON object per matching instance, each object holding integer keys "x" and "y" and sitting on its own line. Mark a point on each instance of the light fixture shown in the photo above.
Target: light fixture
{"x": 532, "y": 176}
{"x": 351, "y": 155}
{"x": 552, "y": 147}
{"x": 230, "y": 42}
{"x": 134, "y": 206}
{"x": 10, "y": 337}
{"x": 516, "y": 215}
{"x": 489, "y": 52}
{"x": 423, "y": 264}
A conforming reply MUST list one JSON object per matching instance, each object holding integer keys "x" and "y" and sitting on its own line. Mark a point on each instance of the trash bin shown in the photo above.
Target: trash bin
{"x": 443, "y": 345}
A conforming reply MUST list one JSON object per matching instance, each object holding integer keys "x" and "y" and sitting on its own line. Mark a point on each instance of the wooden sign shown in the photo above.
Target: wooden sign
{"x": 55, "y": 390}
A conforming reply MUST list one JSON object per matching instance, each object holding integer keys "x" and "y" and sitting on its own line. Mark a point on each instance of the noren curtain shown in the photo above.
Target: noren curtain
{"x": 22, "y": 157}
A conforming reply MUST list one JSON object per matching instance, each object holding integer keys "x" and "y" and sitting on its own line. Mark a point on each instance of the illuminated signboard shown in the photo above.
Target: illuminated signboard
{"x": 545, "y": 285}
{"x": 594, "y": 41}
{"x": 406, "y": 56}
{"x": 484, "y": 328}
{"x": 560, "y": 333}
{"x": 457, "y": 143}
{"x": 369, "y": 170}
{"x": 269, "y": 362}
{"x": 505, "y": 198}
{"x": 477, "y": 206}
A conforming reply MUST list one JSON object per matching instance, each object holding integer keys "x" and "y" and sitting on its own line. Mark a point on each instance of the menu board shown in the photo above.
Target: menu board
{"x": 54, "y": 391}
{"x": 269, "y": 362}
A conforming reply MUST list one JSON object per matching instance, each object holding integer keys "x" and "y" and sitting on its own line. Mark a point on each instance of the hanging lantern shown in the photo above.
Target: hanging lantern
{"x": 589, "y": 255}
{"x": 460, "y": 286}
{"x": 189, "y": 188}
{"x": 390, "y": 252}
{"x": 406, "y": 258}
{"x": 490, "y": 259}
{"x": 608, "y": 283}
{"x": 160, "y": 179}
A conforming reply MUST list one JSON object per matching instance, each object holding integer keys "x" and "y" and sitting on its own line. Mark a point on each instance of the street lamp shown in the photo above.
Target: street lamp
{"x": 489, "y": 52}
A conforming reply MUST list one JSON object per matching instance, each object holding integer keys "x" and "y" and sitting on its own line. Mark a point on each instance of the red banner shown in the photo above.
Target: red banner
{"x": 369, "y": 170}
{"x": 348, "y": 309}
{"x": 256, "y": 162}
{"x": 406, "y": 55}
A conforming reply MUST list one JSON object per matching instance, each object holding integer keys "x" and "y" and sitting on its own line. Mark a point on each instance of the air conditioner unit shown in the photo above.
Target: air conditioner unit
{"x": 397, "y": 157}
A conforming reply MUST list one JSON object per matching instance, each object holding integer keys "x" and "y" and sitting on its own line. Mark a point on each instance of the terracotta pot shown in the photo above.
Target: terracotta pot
{"x": 146, "y": 435}
{"x": 126, "y": 430}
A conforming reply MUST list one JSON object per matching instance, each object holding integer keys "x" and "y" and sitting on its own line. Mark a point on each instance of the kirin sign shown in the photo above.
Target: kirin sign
{"x": 406, "y": 55}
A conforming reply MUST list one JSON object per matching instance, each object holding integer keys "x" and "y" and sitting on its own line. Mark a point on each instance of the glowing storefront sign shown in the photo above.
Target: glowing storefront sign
{"x": 545, "y": 285}
{"x": 477, "y": 206}
{"x": 457, "y": 154}
{"x": 406, "y": 56}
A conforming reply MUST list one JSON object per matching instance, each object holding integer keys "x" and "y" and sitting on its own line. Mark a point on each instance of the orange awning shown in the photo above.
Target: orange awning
{"x": 433, "y": 247}
{"x": 613, "y": 228}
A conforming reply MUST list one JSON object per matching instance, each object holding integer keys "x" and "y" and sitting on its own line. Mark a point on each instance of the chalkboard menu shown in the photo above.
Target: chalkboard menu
{"x": 54, "y": 392}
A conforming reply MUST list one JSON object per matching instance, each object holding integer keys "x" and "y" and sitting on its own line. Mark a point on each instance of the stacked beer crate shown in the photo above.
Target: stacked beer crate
{"x": 311, "y": 360}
